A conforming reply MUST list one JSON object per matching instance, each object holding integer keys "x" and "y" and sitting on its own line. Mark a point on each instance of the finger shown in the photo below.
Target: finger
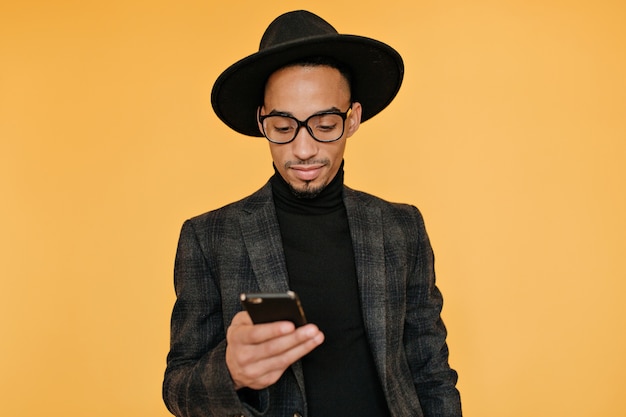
{"x": 241, "y": 318}
{"x": 261, "y": 333}
{"x": 276, "y": 353}
{"x": 290, "y": 347}
{"x": 263, "y": 372}
{"x": 243, "y": 331}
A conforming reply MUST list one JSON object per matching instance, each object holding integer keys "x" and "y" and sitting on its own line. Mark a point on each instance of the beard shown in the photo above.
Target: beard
{"x": 308, "y": 192}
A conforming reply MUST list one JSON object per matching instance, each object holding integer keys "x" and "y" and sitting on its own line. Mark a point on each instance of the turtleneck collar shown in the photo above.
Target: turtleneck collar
{"x": 328, "y": 200}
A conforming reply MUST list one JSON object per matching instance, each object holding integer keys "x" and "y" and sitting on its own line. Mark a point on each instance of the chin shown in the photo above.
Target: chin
{"x": 308, "y": 190}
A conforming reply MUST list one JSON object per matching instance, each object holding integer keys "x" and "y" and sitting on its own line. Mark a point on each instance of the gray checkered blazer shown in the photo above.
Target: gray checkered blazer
{"x": 238, "y": 249}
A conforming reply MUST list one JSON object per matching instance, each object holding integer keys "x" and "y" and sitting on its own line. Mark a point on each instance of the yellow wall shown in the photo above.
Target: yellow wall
{"x": 509, "y": 134}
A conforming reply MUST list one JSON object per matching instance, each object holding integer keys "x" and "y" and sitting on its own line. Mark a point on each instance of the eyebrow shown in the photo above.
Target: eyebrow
{"x": 275, "y": 112}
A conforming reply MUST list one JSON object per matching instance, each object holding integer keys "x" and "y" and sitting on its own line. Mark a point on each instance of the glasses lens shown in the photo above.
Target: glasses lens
{"x": 280, "y": 129}
{"x": 326, "y": 127}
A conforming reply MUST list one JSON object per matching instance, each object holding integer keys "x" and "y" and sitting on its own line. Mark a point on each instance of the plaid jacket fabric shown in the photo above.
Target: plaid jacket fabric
{"x": 238, "y": 249}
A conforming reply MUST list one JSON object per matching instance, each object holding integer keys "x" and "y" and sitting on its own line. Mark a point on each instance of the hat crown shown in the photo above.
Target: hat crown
{"x": 376, "y": 68}
{"x": 294, "y": 26}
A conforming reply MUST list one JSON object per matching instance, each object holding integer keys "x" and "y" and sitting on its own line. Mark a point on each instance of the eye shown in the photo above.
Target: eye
{"x": 279, "y": 125}
{"x": 326, "y": 123}
{"x": 282, "y": 129}
{"x": 326, "y": 128}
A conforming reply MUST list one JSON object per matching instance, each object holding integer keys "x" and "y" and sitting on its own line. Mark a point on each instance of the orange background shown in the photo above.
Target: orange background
{"x": 509, "y": 133}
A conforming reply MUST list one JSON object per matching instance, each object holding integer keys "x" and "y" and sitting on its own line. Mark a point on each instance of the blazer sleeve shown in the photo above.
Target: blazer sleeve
{"x": 197, "y": 382}
{"x": 425, "y": 333}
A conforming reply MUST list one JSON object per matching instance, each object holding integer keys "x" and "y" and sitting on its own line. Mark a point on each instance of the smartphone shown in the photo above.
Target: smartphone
{"x": 269, "y": 307}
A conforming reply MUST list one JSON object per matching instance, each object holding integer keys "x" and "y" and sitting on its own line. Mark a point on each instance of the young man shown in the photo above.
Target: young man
{"x": 363, "y": 267}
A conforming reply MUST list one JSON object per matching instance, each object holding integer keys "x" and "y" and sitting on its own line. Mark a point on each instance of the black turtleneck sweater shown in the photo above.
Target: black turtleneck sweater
{"x": 340, "y": 375}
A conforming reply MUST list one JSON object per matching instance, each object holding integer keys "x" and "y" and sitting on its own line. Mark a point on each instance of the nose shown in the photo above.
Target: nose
{"x": 304, "y": 146}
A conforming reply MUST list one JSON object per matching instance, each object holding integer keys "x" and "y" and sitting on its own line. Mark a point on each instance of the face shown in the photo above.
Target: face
{"x": 300, "y": 91}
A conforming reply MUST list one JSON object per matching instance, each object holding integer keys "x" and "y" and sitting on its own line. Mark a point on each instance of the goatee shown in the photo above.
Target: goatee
{"x": 307, "y": 193}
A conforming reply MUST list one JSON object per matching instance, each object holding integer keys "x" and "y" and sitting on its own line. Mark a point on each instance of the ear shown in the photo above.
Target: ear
{"x": 259, "y": 110}
{"x": 354, "y": 119}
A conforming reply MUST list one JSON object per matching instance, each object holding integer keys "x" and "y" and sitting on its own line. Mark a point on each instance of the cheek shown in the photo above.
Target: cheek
{"x": 277, "y": 154}
{"x": 337, "y": 153}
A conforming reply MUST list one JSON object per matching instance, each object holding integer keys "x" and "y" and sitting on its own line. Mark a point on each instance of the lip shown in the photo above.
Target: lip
{"x": 307, "y": 172}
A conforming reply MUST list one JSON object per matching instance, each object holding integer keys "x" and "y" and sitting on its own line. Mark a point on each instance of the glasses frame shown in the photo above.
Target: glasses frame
{"x": 304, "y": 123}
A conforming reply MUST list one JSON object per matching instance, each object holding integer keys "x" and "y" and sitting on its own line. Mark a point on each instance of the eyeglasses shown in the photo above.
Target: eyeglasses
{"x": 327, "y": 126}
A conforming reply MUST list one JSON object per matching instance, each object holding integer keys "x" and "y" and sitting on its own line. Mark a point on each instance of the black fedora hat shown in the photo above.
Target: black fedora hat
{"x": 376, "y": 68}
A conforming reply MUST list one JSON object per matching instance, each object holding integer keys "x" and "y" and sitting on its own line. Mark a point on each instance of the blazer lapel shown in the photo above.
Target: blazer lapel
{"x": 261, "y": 235}
{"x": 367, "y": 238}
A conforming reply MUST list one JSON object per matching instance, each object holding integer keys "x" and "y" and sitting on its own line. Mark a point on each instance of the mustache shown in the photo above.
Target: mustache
{"x": 323, "y": 161}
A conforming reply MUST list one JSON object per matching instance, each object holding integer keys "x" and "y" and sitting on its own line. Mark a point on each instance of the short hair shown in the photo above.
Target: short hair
{"x": 322, "y": 61}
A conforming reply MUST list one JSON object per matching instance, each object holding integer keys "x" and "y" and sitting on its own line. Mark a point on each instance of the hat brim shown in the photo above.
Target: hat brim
{"x": 376, "y": 68}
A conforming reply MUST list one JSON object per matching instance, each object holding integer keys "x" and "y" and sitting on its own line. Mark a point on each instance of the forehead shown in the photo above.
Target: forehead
{"x": 306, "y": 84}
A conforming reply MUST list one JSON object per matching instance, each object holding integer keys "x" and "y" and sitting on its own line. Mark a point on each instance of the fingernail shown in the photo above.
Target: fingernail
{"x": 310, "y": 330}
{"x": 286, "y": 328}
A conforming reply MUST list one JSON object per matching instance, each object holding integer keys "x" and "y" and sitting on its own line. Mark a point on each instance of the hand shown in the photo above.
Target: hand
{"x": 257, "y": 355}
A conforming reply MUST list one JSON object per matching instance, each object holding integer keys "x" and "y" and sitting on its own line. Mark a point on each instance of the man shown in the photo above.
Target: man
{"x": 363, "y": 267}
